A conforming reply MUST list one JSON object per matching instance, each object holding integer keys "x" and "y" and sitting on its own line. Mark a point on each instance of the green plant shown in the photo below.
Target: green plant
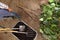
{"x": 50, "y": 19}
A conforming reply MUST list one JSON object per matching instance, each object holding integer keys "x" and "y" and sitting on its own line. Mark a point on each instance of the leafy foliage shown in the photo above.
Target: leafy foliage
{"x": 50, "y": 19}
{"x": 51, "y": 0}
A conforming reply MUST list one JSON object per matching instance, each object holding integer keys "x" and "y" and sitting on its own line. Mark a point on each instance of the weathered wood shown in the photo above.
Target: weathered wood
{"x": 29, "y": 10}
{"x": 8, "y": 23}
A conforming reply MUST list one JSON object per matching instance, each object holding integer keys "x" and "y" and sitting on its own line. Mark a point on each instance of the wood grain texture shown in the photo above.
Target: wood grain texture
{"x": 10, "y": 23}
{"x": 29, "y": 10}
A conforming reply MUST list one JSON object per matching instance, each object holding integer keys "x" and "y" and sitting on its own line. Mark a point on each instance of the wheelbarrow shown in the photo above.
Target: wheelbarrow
{"x": 21, "y": 30}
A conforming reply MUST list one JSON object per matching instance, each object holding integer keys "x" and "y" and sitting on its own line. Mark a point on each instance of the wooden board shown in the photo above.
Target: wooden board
{"x": 10, "y": 23}
{"x": 29, "y": 10}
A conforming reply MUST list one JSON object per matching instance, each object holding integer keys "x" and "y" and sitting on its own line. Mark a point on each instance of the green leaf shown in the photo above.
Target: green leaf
{"x": 48, "y": 31}
{"x": 49, "y": 13}
{"x": 52, "y": 4}
{"x": 53, "y": 37}
{"x": 51, "y": 1}
{"x": 49, "y": 20}
{"x": 41, "y": 31}
{"x": 41, "y": 19}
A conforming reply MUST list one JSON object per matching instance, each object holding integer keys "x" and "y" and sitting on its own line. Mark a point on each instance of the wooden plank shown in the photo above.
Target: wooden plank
{"x": 10, "y": 23}
{"x": 29, "y": 10}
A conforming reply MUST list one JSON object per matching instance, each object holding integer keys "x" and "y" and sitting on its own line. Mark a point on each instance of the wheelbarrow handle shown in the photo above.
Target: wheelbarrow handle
{"x": 11, "y": 31}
